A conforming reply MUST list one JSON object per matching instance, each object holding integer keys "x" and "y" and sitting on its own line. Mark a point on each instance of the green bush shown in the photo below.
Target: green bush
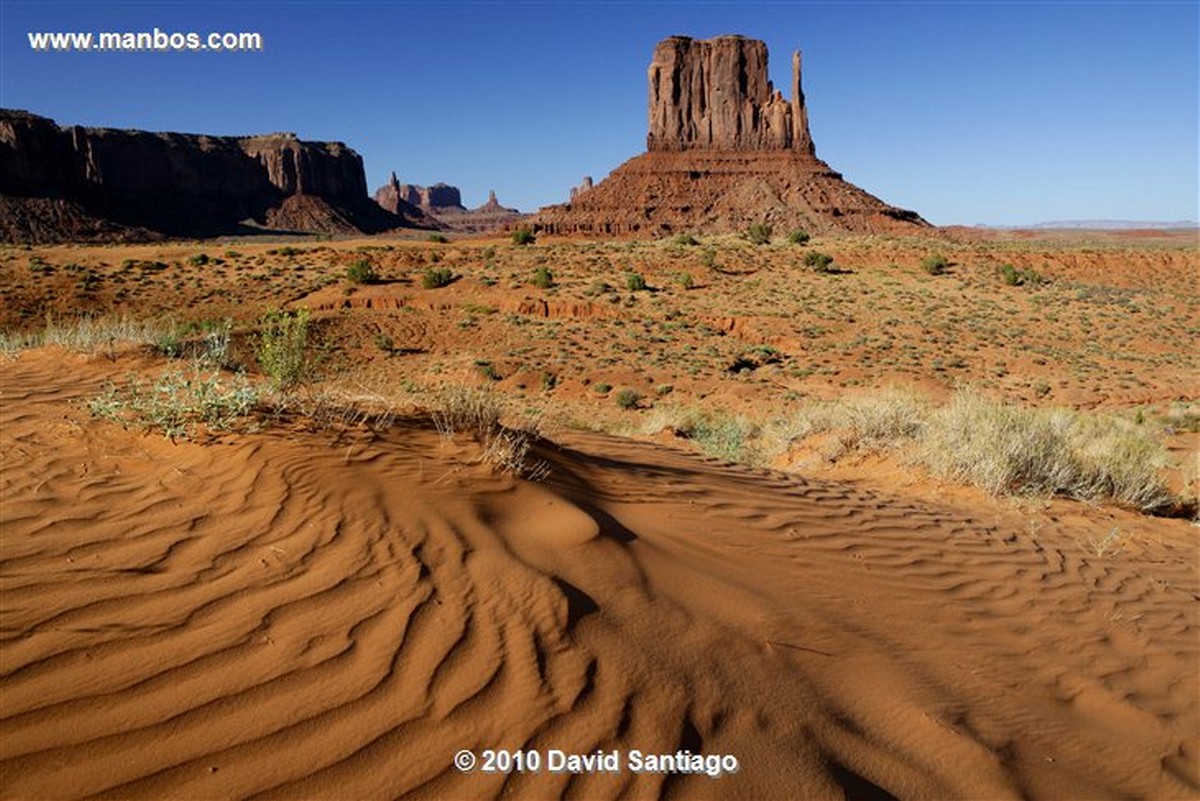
{"x": 818, "y": 261}
{"x": 198, "y": 260}
{"x": 759, "y": 234}
{"x": 635, "y": 282}
{"x": 282, "y": 347}
{"x": 686, "y": 240}
{"x": 935, "y": 264}
{"x": 686, "y": 281}
{"x": 628, "y": 398}
{"x": 433, "y": 279}
{"x": 719, "y": 435}
{"x": 798, "y": 237}
{"x": 362, "y": 272}
{"x": 438, "y": 238}
{"x": 543, "y": 278}
{"x": 1014, "y": 277}
{"x": 523, "y": 236}
{"x": 385, "y": 343}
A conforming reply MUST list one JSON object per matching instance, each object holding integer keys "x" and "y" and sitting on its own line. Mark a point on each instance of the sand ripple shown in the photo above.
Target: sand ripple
{"x": 278, "y": 615}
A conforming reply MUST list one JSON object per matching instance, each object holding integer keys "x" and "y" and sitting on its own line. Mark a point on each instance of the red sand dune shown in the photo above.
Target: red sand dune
{"x": 305, "y": 615}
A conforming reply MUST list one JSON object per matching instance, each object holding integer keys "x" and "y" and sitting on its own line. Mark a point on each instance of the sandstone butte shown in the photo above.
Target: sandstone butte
{"x": 443, "y": 204}
{"x": 724, "y": 150}
{"x": 74, "y": 183}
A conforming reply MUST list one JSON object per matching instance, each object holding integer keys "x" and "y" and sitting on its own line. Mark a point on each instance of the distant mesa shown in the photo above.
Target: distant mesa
{"x": 439, "y": 197}
{"x": 74, "y": 183}
{"x": 443, "y": 204}
{"x": 724, "y": 150}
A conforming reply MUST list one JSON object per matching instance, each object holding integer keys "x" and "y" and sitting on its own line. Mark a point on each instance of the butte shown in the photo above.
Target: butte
{"x": 724, "y": 151}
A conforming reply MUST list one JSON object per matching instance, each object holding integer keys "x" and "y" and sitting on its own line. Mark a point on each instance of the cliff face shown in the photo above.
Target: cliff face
{"x": 724, "y": 150}
{"x": 715, "y": 95}
{"x": 180, "y": 184}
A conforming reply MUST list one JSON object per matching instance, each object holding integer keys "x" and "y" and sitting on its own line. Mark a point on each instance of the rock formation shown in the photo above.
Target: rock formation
{"x": 400, "y": 199}
{"x": 429, "y": 199}
{"x": 715, "y": 95}
{"x": 59, "y": 183}
{"x": 584, "y": 186}
{"x": 724, "y": 150}
{"x": 442, "y": 204}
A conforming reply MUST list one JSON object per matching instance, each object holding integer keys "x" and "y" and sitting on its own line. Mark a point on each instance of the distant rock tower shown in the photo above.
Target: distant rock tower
{"x": 584, "y": 186}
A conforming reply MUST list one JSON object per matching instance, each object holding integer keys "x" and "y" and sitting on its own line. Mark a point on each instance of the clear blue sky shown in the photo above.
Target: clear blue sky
{"x": 967, "y": 112}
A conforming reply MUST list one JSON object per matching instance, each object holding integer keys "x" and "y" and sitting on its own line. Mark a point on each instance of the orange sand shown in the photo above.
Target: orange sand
{"x": 306, "y": 615}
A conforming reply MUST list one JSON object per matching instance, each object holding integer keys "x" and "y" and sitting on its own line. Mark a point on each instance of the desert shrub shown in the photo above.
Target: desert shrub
{"x": 759, "y": 234}
{"x": 818, "y": 261}
{"x": 282, "y": 347}
{"x": 686, "y": 281}
{"x": 523, "y": 236}
{"x": 198, "y": 260}
{"x": 709, "y": 258}
{"x": 1120, "y": 460}
{"x": 438, "y": 239}
{"x": 362, "y": 272}
{"x": 435, "y": 278}
{"x": 721, "y": 436}
{"x": 488, "y": 370}
{"x": 935, "y": 264}
{"x": 798, "y": 237}
{"x": 1006, "y": 449}
{"x": 881, "y": 420}
{"x": 1014, "y": 277}
{"x": 1000, "y": 448}
{"x": 176, "y": 403}
{"x": 206, "y": 341}
{"x": 543, "y": 278}
{"x": 686, "y": 240}
{"x": 385, "y": 343}
{"x": 635, "y": 282}
{"x": 603, "y": 388}
{"x": 628, "y": 398}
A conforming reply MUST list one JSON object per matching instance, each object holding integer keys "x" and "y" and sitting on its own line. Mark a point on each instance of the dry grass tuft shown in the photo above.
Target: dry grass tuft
{"x": 87, "y": 334}
{"x": 476, "y": 412}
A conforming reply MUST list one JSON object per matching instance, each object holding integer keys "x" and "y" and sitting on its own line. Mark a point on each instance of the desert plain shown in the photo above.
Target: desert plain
{"x": 592, "y": 495}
